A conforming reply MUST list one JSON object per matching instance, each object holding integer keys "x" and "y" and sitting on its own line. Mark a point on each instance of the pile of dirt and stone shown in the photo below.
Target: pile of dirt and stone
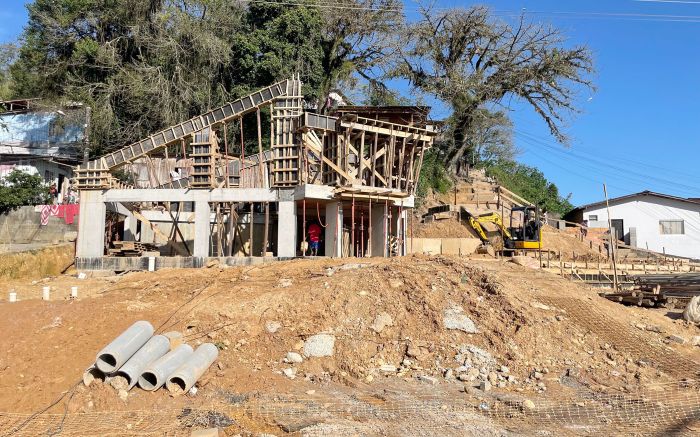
{"x": 334, "y": 332}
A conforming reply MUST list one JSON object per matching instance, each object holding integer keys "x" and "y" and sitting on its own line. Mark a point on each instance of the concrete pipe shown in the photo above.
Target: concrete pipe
{"x": 127, "y": 377}
{"x": 93, "y": 374}
{"x": 158, "y": 372}
{"x": 187, "y": 375}
{"x": 115, "y": 354}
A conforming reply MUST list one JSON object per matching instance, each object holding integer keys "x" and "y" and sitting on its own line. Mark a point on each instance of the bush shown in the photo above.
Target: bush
{"x": 433, "y": 175}
{"x": 530, "y": 183}
{"x": 21, "y": 188}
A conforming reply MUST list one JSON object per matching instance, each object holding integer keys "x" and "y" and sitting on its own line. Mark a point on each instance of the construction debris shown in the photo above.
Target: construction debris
{"x": 666, "y": 291}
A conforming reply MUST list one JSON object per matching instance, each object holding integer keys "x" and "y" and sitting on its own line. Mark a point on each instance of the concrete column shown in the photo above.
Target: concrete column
{"x": 334, "y": 229}
{"x": 130, "y": 226}
{"x": 147, "y": 234}
{"x": 202, "y": 216}
{"x": 379, "y": 223}
{"x": 91, "y": 224}
{"x": 287, "y": 228}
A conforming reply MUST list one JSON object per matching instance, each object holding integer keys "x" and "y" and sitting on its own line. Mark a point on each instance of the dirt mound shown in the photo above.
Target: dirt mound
{"x": 391, "y": 325}
{"x": 38, "y": 263}
{"x": 446, "y": 228}
{"x": 570, "y": 245}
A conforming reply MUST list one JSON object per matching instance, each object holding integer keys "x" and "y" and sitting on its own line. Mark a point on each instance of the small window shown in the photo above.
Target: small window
{"x": 592, "y": 218}
{"x": 671, "y": 227}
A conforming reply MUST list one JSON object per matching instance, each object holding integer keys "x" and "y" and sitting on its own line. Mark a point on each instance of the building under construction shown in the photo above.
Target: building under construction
{"x": 354, "y": 174}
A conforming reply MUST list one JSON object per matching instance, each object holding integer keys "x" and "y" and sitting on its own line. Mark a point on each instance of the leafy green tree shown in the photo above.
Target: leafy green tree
{"x": 530, "y": 183}
{"x": 358, "y": 39}
{"x": 21, "y": 188}
{"x": 8, "y": 54}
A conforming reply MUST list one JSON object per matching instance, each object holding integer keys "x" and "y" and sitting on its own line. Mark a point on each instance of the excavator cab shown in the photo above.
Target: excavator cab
{"x": 525, "y": 228}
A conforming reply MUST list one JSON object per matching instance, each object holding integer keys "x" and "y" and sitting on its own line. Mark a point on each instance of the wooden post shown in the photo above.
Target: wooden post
{"x": 561, "y": 266}
{"x": 352, "y": 224}
{"x": 267, "y": 227}
{"x": 369, "y": 227}
{"x": 250, "y": 231}
{"x": 262, "y": 166}
{"x": 613, "y": 243}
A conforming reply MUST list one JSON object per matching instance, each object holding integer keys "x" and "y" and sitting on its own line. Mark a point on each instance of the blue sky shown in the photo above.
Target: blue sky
{"x": 639, "y": 131}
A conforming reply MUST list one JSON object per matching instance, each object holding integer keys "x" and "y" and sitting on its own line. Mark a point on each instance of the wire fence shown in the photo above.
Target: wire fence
{"x": 396, "y": 408}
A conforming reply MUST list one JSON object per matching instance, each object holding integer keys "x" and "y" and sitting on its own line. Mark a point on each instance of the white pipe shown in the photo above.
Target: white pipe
{"x": 187, "y": 375}
{"x": 13, "y": 296}
{"x": 74, "y": 292}
{"x": 158, "y": 372}
{"x": 115, "y": 354}
{"x": 46, "y": 293}
{"x": 127, "y": 377}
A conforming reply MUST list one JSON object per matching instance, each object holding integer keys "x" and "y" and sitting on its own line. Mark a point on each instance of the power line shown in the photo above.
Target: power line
{"x": 592, "y": 160}
{"x": 570, "y": 14}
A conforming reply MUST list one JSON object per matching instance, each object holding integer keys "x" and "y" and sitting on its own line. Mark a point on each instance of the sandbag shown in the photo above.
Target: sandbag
{"x": 692, "y": 311}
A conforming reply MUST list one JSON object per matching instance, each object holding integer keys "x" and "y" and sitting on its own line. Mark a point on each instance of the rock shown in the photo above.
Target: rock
{"x": 429, "y": 379}
{"x": 640, "y": 326}
{"x": 123, "y": 395}
{"x": 505, "y": 369}
{"x": 470, "y": 375}
{"x": 310, "y": 392}
{"x": 525, "y": 261}
{"x": 284, "y": 282}
{"x": 387, "y": 368}
{"x": 212, "y": 263}
{"x": 454, "y": 318}
{"x": 413, "y": 351}
{"x": 272, "y": 326}
{"x": 528, "y": 405}
{"x": 290, "y": 373}
{"x": 537, "y": 375}
{"x": 485, "y": 386}
{"x": 696, "y": 340}
{"x": 293, "y": 357}
{"x": 677, "y": 339}
{"x": 657, "y": 329}
{"x": 449, "y": 374}
{"x": 381, "y": 321}
{"x": 493, "y": 378}
{"x": 692, "y": 311}
{"x": 319, "y": 345}
{"x": 395, "y": 283}
{"x": 540, "y": 306}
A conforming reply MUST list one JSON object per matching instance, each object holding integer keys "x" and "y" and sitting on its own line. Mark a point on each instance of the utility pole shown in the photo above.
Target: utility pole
{"x": 613, "y": 243}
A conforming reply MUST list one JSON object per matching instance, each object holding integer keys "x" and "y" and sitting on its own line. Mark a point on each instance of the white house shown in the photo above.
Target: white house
{"x": 648, "y": 220}
{"x": 41, "y": 140}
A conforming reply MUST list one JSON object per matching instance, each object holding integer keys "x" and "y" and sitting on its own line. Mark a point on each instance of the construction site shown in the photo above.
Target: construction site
{"x": 470, "y": 313}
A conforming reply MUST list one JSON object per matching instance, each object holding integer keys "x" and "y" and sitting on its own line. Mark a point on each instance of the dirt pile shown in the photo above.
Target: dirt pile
{"x": 446, "y": 228}
{"x": 35, "y": 264}
{"x": 350, "y": 335}
{"x": 570, "y": 245}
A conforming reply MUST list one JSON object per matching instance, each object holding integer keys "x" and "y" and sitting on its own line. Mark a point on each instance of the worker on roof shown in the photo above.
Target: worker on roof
{"x": 314, "y": 238}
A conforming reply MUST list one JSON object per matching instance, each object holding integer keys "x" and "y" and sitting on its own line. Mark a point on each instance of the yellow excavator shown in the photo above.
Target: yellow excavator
{"x": 524, "y": 232}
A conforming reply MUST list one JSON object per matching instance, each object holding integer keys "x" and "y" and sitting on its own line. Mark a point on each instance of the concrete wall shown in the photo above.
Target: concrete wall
{"x": 443, "y": 246}
{"x": 23, "y": 226}
{"x": 644, "y": 214}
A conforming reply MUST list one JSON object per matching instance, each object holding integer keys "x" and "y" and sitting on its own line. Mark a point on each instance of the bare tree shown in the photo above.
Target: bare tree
{"x": 471, "y": 61}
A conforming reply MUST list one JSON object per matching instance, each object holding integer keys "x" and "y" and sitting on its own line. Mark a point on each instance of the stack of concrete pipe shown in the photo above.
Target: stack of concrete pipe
{"x": 139, "y": 357}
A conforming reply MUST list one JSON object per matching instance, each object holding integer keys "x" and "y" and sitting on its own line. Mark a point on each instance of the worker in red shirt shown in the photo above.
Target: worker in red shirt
{"x": 314, "y": 238}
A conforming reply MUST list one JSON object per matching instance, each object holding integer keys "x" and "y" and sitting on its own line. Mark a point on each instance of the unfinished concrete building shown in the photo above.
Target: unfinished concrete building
{"x": 354, "y": 174}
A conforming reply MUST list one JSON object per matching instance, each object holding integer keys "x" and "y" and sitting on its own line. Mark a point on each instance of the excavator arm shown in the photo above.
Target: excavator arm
{"x": 495, "y": 218}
